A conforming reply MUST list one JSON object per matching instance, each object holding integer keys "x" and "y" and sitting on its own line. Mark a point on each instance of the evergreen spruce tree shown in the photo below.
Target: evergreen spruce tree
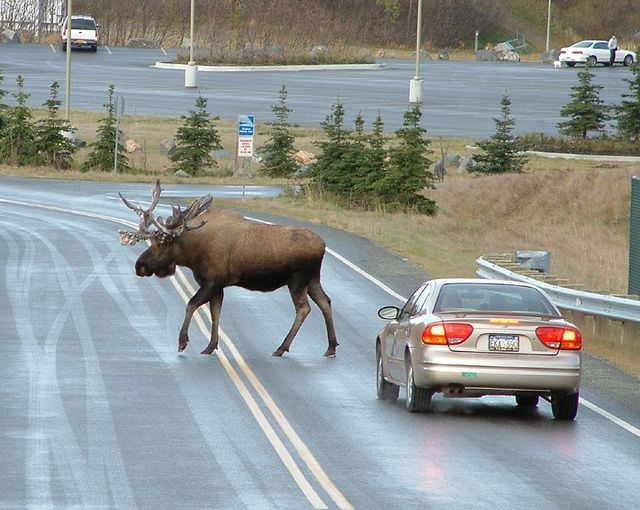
{"x": 333, "y": 169}
{"x": 278, "y": 151}
{"x": 408, "y": 168}
{"x": 102, "y": 154}
{"x": 371, "y": 160}
{"x": 628, "y": 112}
{"x": 502, "y": 152}
{"x": 586, "y": 110}
{"x": 196, "y": 141}
{"x": 55, "y": 148}
{"x": 17, "y": 146}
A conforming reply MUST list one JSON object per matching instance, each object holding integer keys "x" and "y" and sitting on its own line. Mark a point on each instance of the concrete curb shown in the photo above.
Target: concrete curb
{"x": 231, "y": 69}
{"x": 587, "y": 157}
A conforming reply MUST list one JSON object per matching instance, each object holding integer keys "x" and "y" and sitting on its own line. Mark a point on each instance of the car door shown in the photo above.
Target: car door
{"x": 601, "y": 51}
{"x": 403, "y": 330}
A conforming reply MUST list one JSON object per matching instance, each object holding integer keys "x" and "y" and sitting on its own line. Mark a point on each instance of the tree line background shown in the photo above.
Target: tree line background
{"x": 298, "y": 24}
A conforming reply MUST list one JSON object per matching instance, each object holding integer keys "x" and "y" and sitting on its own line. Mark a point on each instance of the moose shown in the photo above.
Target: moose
{"x": 223, "y": 249}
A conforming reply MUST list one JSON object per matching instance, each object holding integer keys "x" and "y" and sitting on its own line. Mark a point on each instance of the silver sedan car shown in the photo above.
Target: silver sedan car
{"x": 470, "y": 338}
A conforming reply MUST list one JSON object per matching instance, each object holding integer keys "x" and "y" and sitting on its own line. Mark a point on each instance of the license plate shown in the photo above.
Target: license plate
{"x": 80, "y": 41}
{"x": 509, "y": 343}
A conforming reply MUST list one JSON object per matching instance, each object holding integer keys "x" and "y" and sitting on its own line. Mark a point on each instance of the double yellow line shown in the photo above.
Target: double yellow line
{"x": 183, "y": 285}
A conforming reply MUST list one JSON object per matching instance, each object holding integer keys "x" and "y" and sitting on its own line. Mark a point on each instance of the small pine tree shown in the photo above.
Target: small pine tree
{"x": 333, "y": 169}
{"x": 3, "y": 107}
{"x": 408, "y": 168}
{"x": 628, "y": 112}
{"x": 370, "y": 154}
{"x": 102, "y": 154}
{"x": 502, "y": 152}
{"x": 196, "y": 140}
{"x": 55, "y": 148}
{"x": 17, "y": 146}
{"x": 278, "y": 151}
{"x": 586, "y": 110}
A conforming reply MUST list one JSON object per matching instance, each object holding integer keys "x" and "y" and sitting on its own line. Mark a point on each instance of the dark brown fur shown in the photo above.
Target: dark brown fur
{"x": 231, "y": 251}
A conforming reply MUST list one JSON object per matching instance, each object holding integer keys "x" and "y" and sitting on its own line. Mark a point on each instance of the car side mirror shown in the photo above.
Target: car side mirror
{"x": 389, "y": 313}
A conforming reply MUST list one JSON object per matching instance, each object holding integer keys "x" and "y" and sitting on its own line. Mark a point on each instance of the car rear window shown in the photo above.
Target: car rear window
{"x": 583, "y": 44}
{"x": 83, "y": 24}
{"x": 492, "y": 297}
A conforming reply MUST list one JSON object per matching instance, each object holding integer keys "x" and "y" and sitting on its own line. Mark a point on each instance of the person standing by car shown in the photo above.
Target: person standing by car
{"x": 613, "y": 46}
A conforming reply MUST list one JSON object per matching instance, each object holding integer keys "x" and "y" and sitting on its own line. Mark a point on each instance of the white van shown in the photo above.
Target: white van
{"x": 84, "y": 33}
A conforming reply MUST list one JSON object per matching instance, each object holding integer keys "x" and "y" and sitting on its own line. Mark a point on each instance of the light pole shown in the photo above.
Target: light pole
{"x": 67, "y": 83}
{"x": 415, "y": 85}
{"x": 548, "y": 23}
{"x": 191, "y": 72}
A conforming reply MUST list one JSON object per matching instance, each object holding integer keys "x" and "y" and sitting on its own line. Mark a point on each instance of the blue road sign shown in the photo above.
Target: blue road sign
{"x": 246, "y": 124}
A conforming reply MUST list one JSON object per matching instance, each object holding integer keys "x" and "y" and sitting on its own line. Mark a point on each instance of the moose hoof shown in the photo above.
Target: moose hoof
{"x": 182, "y": 346}
{"x": 278, "y": 352}
{"x": 209, "y": 350}
{"x": 331, "y": 353}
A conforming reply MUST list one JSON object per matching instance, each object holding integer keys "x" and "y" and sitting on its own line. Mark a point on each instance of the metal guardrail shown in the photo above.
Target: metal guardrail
{"x": 588, "y": 303}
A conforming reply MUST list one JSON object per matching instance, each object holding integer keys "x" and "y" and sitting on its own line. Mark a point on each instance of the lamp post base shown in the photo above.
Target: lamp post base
{"x": 415, "y": 90}
{"x": 191, "y": 75}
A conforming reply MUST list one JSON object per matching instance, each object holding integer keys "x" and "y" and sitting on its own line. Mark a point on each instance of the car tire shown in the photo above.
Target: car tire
{"x": 527, "y": 400}
{"x": 565, "y": 406}
{"x": 385, "y": 389}
{"x": 628, "y": 60}
{"x": 570, "y": 64}
{"x": 591, "y": 61}
{"x": 64, "y": 46}
{"x": 94, "y": 49}
{"x": 416, "y": 399}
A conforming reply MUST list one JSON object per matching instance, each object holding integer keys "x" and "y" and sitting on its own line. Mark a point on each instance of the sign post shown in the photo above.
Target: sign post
{"x": 119, "y": 113}
{"x": 246, "y": 128}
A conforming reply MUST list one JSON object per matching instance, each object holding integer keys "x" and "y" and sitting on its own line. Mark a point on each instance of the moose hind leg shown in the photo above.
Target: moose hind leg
{"x": 199, "y": 298}
{"x": 215, "y": 305}
{"x": 301, "y": 303}
{"x": 320, "y": 298}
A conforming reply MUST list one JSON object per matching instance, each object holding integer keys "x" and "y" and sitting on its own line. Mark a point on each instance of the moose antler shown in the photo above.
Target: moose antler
{"x": 175, "y": 225}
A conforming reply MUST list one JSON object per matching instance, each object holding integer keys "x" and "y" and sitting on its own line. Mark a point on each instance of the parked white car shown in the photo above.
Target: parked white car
{"x": 84, "y": 33}
{"x": 594, "y": 52}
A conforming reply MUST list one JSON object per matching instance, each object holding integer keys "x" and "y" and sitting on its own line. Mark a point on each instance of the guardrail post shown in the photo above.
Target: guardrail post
{"x": 600, "y": 326}
{"x": 630, "y": 332}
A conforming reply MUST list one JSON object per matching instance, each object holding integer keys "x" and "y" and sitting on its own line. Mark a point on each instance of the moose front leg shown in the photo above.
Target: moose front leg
{"x": 203, "y": 295}
{"x": 215, "y": 305}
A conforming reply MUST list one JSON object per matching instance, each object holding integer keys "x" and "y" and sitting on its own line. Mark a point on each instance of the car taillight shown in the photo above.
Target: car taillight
{"x": 562, "y": 51}
{"x": 577, "y": 52}
{"x": 442, "y": 334}
{"x": 64, "y": 33}
{"x": 560, "y": 338}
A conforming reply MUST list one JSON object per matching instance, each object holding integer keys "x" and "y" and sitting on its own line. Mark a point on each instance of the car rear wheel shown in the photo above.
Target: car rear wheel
{"x": 628, "y": 60}
{"x": 417, "y": 399}
{"x": 565, "y": 407}
{"x": 592, "y": 61}
{"x": 527, "y": 400}
{"x": 386, "y": 390}
{"x": 570, "y": 64}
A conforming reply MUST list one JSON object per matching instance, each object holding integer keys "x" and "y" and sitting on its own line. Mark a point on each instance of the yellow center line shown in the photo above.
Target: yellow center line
{"x": 299, "y": 445}
{"x": 273, "y": 438}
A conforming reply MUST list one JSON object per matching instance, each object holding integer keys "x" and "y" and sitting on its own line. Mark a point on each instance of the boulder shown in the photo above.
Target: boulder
{"x": 467, "y": 164}
{"x": 510, "y": 56}
{"x": 438, "y": 170}
{"x": 549, "y": 57}
{"x": 132, "y": 146}
{"x": 304, "y": 158}
{"x": 168, "y": 146}
{"x": 319, "y": 51}
{"x": 9, "y": 36}
{"x": 302, "y": 172}
{"x": 443, "y": 54}
{"x": 486, "y": 56}
{"x": 181, "y": 173}
{"x": 451, "y": 159}
{"x": 139, "y": 42}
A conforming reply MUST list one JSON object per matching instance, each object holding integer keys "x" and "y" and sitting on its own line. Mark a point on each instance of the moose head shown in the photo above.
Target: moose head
{"x": 160, "y": 257}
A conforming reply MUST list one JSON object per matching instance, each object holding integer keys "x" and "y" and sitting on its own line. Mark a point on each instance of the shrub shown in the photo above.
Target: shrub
{"x": 278, "y": 151}
{"x": 54, "y": 148}
{"x": 17, "y": 145}
{"x": 628, "y": 112}
{"x": 196, "y": 140}
{"x": 102, "y": 155}
{"x": 502, "y": 152}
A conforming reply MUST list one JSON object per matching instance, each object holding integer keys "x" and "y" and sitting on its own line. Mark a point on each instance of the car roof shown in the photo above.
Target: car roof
{"x": 81, "y": 16}
{"x": 473, "y": 281}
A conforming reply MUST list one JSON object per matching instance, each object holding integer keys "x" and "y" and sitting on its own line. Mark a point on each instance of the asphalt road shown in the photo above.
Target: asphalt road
{"x": 460, "y": 98}
{"x": 99, "y": 410}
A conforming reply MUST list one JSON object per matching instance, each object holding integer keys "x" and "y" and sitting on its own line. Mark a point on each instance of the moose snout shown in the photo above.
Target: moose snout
{"x": 142, "y": 269}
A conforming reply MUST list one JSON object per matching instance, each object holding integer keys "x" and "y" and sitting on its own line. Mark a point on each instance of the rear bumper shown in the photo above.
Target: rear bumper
{"x": 544, "y": 374}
